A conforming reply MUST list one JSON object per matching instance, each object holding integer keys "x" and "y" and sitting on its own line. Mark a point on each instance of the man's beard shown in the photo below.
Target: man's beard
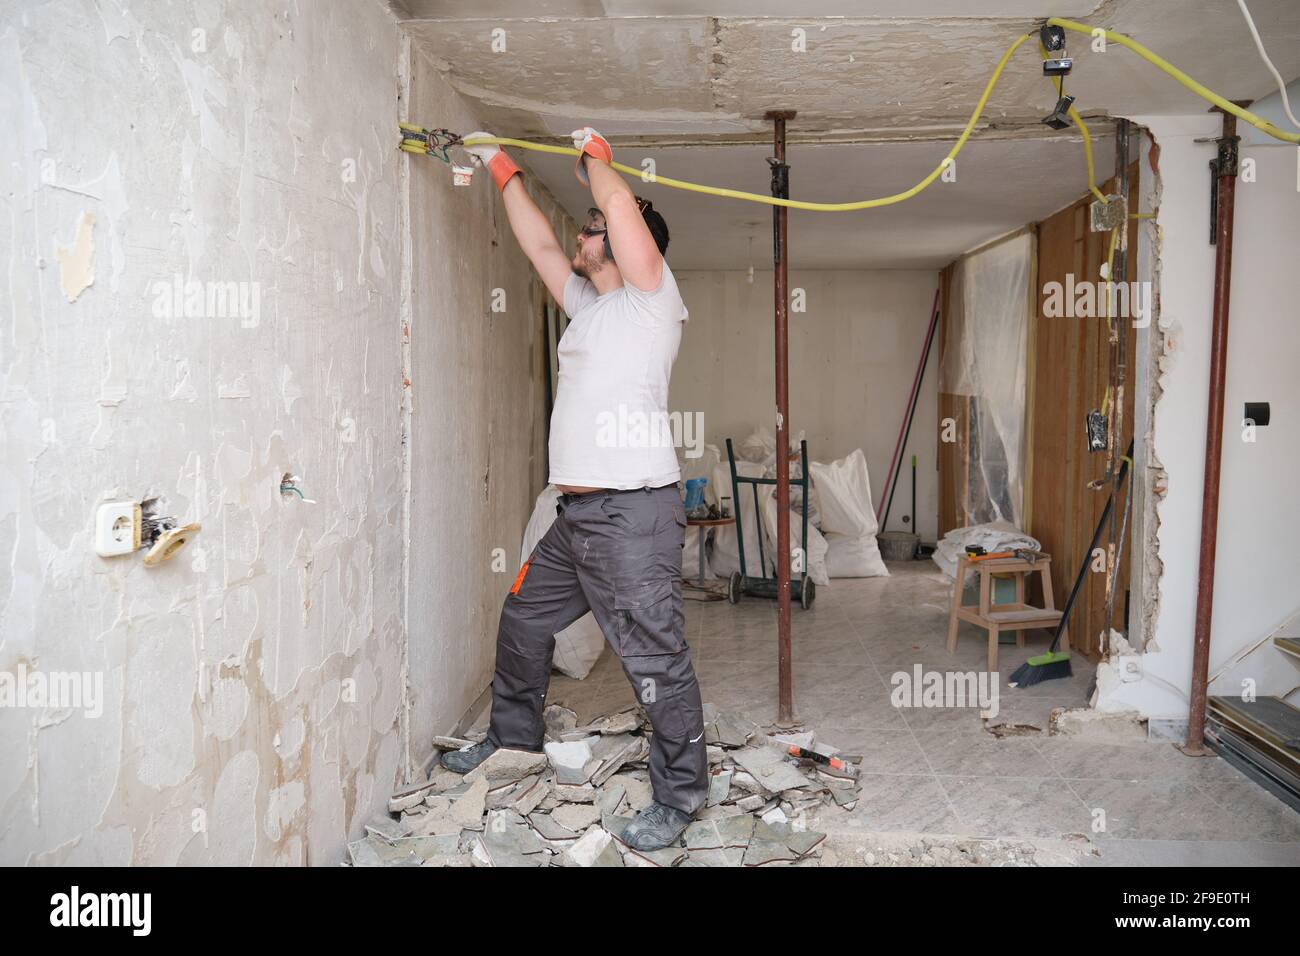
{"x": 584, "y": 266}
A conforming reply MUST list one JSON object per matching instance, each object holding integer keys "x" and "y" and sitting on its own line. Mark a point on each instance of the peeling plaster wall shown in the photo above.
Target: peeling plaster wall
{"x": 853, "y": 356}
{"x": 1257, "y": 563}
{"x": 478, "y": 417}
{"x": 253, "y": 685}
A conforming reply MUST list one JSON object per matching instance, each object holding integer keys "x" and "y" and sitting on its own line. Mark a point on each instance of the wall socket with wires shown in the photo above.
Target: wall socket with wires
{"x": 124, "y": 526}
{"x": 118, "y": 528}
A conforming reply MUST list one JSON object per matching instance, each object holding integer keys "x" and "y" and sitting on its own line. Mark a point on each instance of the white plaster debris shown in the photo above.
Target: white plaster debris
{"x": 514, "y": 809}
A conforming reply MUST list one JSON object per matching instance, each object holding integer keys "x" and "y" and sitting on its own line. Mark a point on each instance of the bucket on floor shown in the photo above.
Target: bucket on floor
{"x": 897, "y": 545}
{"x": 695, "y": 493}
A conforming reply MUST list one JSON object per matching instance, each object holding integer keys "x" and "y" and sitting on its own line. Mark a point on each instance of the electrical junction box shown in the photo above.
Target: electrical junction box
{"x": 1130, "y": 667}
{"x": 1105, "y": 216}
{"x": 118, "y": 527}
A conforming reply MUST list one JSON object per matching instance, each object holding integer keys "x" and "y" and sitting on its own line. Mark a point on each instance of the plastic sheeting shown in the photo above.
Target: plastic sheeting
{"x": 984, "y": 361}
{"x": 994, "y": 536}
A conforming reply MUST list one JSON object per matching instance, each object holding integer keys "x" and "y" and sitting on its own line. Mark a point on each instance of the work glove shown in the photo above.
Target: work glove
{"x": 590, "y": 143}
{"x": 496, "y": 159}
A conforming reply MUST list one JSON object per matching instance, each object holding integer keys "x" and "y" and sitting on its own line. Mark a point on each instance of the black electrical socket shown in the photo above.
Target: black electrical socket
{"x": 1257, "y": 412}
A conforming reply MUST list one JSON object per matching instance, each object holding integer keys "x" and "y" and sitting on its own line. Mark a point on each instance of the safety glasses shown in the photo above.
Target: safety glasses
{"x": 595, "y": 224}
{"x": 596, "y": 219}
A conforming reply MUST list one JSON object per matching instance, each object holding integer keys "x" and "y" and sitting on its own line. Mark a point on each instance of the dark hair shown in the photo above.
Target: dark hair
{"x": 654, "y": 222}
{"x": 658, "y": 228}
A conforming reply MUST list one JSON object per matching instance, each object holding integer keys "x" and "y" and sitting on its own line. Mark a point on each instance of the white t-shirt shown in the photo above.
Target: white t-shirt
{"x": 610, "y": 427}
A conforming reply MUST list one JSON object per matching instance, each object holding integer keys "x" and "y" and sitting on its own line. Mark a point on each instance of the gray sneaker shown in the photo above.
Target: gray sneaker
{"x": 655, "y": 827}
{"x": 463, "y": 761}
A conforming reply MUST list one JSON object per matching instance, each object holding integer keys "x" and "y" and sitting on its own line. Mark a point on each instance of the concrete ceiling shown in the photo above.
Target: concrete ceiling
{"x": 658, "y": 77}
{"x": 1001, "y": 185}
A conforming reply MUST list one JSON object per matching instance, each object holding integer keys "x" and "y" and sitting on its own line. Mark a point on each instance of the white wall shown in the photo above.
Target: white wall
{"x": 253, "y": 684}
{"x": 477, "y": 418}
{"x": 1258, "y": 563}
{"x": 853, "y": 356}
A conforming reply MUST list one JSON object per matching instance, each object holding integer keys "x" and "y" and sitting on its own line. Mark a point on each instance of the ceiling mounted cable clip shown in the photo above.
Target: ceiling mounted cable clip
{"x": 1057, "y": 63}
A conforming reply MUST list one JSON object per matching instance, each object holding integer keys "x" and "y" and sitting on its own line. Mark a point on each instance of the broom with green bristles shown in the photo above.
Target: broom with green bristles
{"x": 1056, "y": 664}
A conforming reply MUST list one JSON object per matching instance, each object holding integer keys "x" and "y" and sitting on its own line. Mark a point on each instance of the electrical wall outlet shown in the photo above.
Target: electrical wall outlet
{"x": 117, "y": 528}
{"x": 1130, "y": 667}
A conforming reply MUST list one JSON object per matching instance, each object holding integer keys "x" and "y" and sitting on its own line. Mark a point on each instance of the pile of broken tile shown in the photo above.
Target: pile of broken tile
{"x": 568, "y": 806}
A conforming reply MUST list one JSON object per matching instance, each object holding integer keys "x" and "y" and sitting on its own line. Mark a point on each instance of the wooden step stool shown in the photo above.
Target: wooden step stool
{"x": 1017, "y": 616}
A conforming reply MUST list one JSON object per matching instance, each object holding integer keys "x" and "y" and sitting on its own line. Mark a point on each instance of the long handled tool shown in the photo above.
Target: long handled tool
{"x": 1056, "y": 664}
{"x": 905, "y": 427}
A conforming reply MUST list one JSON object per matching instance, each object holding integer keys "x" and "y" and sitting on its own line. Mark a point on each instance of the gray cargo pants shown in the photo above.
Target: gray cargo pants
{"x": 619, "y": 555}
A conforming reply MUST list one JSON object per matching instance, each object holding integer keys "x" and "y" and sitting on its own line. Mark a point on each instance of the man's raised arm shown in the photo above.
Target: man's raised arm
{"x": 634, "y": 247}
{"x": 531, "y": 227}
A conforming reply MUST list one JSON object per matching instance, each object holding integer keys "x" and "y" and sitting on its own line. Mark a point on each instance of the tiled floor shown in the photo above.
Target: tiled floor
{"x": 937, "y": 770}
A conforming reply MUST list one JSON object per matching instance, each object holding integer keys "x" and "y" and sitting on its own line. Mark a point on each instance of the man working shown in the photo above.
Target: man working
{"x": 616, "y": 547}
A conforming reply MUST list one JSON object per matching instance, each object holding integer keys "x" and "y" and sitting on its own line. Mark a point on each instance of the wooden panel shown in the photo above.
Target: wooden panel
{"x": 1071, "y": 372}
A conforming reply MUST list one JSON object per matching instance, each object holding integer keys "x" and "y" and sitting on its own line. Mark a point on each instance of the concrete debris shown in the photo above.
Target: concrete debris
{"x": 506, "y": 764}
{"x": 614, "y": 751}
{"x": 624, "y": 722}
{"x": 611, "y": 798}
{"x": 639, "y": 792}
{"x": 805, "y": 740}
{"x": 559, "y": 720}
{"x": 719, "y": 787}
{"x": 468, "y": 810}
{"x": 588, "y": 849}
{"x": 529, "y": 794}
{"x": 668, "y": 856}
{"x": 569, "y": 805}
{"x": 572, "y": 761}
{"x": 915, "y": 850}
{"x": 550, "y": 829}
{"x": 1013, "y": 730}
{"x": 572, "y": 794}
{"x": 576, "y": 816}
{"x": 409, "y": 797}
{"x": 727, "y": 729}
{"x": 615, "y": 823}
{"x": 451, "y": 743}
{"x": 437, "y": 820}
{"x": 508, "y": 840}
{"x": 386, "y": 828}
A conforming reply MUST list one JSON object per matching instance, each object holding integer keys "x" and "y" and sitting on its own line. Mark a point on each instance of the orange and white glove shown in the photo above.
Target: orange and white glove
{"x": 496, "y": 159}
{"x": 590, "y": 143}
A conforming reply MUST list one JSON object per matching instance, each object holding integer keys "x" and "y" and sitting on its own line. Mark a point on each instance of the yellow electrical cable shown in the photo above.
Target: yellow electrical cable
{"x": 790, "y": 203}
{"x": 1173, "y": 71}
{"x": 1203, "y": 92}
{"x": 1083, "y": 128}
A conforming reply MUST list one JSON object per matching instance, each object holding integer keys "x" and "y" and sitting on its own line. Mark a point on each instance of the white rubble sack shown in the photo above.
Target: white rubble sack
{"x": 726, "y": 546}
{"x": 848, "y": 519}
